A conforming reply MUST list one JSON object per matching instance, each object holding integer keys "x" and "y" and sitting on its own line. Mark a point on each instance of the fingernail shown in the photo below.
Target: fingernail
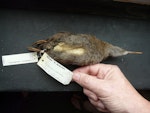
{"x": 76, "y": 76}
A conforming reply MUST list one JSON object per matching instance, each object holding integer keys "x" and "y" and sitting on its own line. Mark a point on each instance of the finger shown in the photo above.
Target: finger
{"x": 97, "y": 69}
{"x": 91, "y": 83}
{"x": 90, "y": 94}
{"x": 99, "y": 105}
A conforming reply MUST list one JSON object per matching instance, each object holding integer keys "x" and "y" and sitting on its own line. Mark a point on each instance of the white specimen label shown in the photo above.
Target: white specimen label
{"x": 23, "y": 58}
{"x": 55, "y": 69}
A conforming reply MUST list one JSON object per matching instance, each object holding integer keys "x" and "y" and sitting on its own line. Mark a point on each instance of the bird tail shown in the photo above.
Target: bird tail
{"x": 134, "y": 52}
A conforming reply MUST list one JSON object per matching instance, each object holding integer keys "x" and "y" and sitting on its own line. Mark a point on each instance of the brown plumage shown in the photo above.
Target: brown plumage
{"x": 78, "y": 49}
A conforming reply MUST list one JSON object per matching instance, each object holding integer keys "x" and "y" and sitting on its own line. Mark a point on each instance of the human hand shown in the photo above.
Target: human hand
{"x": 108, "y": 89}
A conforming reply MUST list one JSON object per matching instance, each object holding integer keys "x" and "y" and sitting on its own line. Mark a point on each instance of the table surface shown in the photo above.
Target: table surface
{"x": 20, "y": 28}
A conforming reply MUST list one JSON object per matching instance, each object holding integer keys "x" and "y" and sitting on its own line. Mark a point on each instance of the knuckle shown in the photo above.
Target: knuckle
{"x": 115, "y": 67}
{"x": 86, "y": 80}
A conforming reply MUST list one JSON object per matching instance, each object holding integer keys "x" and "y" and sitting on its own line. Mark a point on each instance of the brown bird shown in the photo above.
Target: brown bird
{"x": 78, "y": 49}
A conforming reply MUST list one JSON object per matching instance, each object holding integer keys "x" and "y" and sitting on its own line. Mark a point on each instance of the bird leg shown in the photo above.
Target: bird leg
{"x": 36, "y": 46}
{"x": 39, "y": 42}
{"x": 34, "y": 49}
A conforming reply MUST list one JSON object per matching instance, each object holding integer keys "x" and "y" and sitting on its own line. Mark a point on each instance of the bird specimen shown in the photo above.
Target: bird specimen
{"x": 78, "y": 49}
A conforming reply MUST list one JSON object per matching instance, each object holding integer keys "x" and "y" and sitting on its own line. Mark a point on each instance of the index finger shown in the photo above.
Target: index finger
{"x": 97, "y": 69}
{"x": 91, "y": 83}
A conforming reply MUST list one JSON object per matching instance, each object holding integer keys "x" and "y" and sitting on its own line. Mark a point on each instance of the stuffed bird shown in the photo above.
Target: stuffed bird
{"x": 78, "y": 49}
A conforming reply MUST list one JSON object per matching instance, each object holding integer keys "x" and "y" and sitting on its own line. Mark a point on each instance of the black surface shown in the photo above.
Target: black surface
{"x": 17, "y": 102}
{"x": 39, "y": 102}
{"x": 20, "y": 28}
{"x": 102, "y": 7}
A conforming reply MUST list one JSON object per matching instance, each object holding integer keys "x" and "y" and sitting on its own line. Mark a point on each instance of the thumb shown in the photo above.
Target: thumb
{"x": 87, "y": 81}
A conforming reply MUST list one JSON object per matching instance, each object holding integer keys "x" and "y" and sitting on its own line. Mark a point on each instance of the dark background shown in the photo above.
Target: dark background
{"x": 24, "y": 21}
{"x": 122, "y": 24}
